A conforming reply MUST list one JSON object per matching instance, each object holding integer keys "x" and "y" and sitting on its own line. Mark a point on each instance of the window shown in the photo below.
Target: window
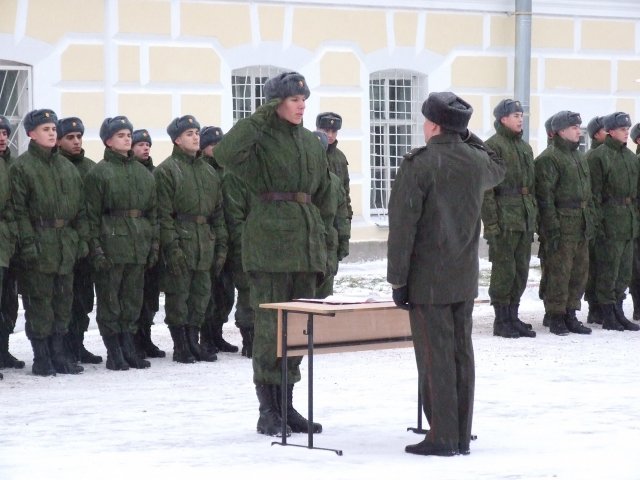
{"x": 247, "y": 88}
{"x": 15, "y": 101}
{"x": 395, "y": 97}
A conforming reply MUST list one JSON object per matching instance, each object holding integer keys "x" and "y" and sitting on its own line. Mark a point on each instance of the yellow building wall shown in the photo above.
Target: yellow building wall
{"x": 8, "y": 17}
{"x": 271, "y": 23}
{"x": 445, "y": 32}
{"x": 144, "y": 17}
{"x": 340, "y": 69}
{"x": 50, "y": 22}
{"x": 183, "y": 65}
{"x": 230, "y": 24}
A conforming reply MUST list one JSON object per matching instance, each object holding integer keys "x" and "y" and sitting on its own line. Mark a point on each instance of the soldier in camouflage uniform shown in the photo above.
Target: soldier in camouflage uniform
{"x": 70, "y": 132}
{"x": 434, "y": 230}
{"x": 193, "y": 237}
{"x": 563, "y": 191}
{"x": 8, "y": 314}
{"x": 283, "y": 240}
{"x": 597, "y": 134}
{"x": 49, "y": 206}
{"x": 222, "y": 289}
{"x": 121, "y": 208}
{"x": 509, "y": 216}
{"x": 141, "y": 147}
{"x": 634, "y": 288}
{"x": 614, "y": 181}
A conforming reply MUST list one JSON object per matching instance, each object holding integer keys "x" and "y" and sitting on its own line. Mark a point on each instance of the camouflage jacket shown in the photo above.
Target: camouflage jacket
{"x": 512, "y": 204}
{"x": 275, "y": 158}
{"x": 563, "y": 191}
{"x": 237, "y": 202}
{"x": 189, "y": 190}
{"x": 338, "y": 164}
{"x": 121, "y": 208}
{"x": 148, "y": 163}
{"x": 8, "y": 232}
{"x": 82, "y": 163}
{"x": 49, "y": 207}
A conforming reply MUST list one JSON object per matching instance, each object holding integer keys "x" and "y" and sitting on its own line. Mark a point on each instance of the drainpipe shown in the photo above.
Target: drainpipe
{"x": 522, "y": 74}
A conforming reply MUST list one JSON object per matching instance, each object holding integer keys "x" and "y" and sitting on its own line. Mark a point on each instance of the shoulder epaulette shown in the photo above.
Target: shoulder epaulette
{"x": 414, "y": 152}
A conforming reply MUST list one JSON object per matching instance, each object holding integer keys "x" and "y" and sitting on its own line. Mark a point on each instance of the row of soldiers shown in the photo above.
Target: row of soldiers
{"x": 132, "y": 230}
{"x": 584, "y": 208}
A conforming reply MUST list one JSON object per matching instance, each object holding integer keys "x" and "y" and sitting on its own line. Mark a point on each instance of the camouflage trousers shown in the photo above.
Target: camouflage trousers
{"x": 186, "y": 297}
{"x": 119, "y": 298}
{"x": 150, "y": 297}
{"x": 590, "y": 289}
{"x": 244, "y": 311}
{"x": 446, "y": 369}
{"x": 82, "y": 297}
{"x": 47, "y": 300}
{"x": 509, "y": 255}
{"x": 566, "y": 271}
{"x": 221, "y": 300}
{"x": 269, "y": 288}
{"x": 613, "y": 269}
{"x": 9, "y": 301}
{"x": 634, "y": 288}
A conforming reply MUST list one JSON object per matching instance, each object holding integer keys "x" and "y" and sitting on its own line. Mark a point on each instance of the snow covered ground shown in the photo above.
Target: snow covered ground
{"x": 549, "y": 407}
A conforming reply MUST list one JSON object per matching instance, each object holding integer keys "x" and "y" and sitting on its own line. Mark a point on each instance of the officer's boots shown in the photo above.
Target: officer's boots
{"x": 297, "y": 422}
{"x": 206, "y": 337}
{"x": 59, "y": 356}
{"x": 77, "y": 350}
{"x": 609, "y": 320}
{"x": 247, "y": 341}
{"x": 557, "y": 324}
{"x": 129, "y": 352}
{"x": 523, "y": 329}
{"x": 115, "y": 359}
{"x": 200, "y": 354}
{"x": 181, "y": 352}
{"x": 502, "y": 324}
{"x": 220, "y": 342}
{"x": 270, "y": 421}
{"x": 595, "y": 313}
{"x": 144, "y": 345}
{"x": 6, "y": 359}
{"x": 623, "y": 320}
{"x": 574, "y": 325}
{"x": 42, "y": 365}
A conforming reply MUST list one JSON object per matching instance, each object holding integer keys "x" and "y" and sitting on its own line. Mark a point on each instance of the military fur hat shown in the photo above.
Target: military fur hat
{"x": 141, "y": 135}
{"x": 210, "y": 136}
{"x": 616, "y": 120}
{"x": 70, "y": 125}
{"x": 110, "y": 126}
{"x": 329, "y": 121}
{"x": 635, "y": 132}
{"x": 5, "y": 124}
{"x": 594, "y": 126}
{"x": 565, "y": 119}
{"x": 506, "y": 107}
{"x": 35, "y": 118}
{"x": 323, "y": 139}
{"x": 548, "y": 128}
{"x": 285, "y": 85}
{"x": 447, "y": 110}
{"x": 179, "y": 125}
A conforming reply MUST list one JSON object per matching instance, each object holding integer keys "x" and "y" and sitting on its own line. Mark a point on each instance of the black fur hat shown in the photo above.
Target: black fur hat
{"x": 141, "y": 135}
{"x": 5, "y": 124}
{"x": 181, "y": 124}
{"x": 110, "y": 126}
{"x": 594, "y": 125}
{"x": 36, "y": 118}
{"x": 210, "y": 136}
{"x": 616, "y": 120}
{"x": 565, "y": 119}
{"x": 285, "y": 85}
{"x": 447, "y": 110}
{"x": 329, "y": 121}
{"x": 506, "y": 107}
{"x": 70, "y": 125}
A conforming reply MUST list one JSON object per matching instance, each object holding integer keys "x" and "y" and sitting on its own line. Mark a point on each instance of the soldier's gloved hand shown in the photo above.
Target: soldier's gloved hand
{"x": 29, "y": 254}
{"x": 401, "y": 297}
{"x": 100, "y": 262}
{"x": 491, "y": 232}
{"x": 218, "y": 265}
{"x": 177, "y": 262}
{"x": 343, "y": 249}
{"x": 552, "y": 240}
{"x": 152, "y": 258}
{"x": 83, "y": 250}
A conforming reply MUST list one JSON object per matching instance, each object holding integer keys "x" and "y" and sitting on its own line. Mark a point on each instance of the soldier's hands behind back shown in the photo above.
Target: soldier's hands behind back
{"x": 152, "y": 258}
{"x": 177, "y": 262}
{"x": 101, "y": 263}
{"x": 553, "y": 240}
{"x": 218, "y": 265}
{"x": 401, "y": 297}
{"x": 83, "y": 250}
{"x": 29, "y": 254}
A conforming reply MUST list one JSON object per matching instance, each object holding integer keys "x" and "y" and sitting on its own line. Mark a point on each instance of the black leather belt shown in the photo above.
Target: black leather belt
{"x": 187, "y": 217}
{"x": 299, "y": 197}
{"x": 133, "y": 213}
{"x": 571, "y": 204}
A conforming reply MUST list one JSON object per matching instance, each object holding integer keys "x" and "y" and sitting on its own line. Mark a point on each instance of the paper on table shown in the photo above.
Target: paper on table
{"x": 343, "y": 299}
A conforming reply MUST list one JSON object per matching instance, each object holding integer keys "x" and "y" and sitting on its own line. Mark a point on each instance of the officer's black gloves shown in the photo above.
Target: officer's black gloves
{"x": 401, "y": 297}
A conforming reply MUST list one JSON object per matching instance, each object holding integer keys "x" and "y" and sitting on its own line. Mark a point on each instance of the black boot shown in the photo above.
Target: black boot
{"x": 206, "y": 338}
{"x": 608, "y": 316}
{"x": 42, "y": 365}
{"x": 85, "y": 355}
{"x": 296, "y": 421}
{"x": 247, "y": 341}
{"x": 59, "y": 357}
{"x": 181, "y": 352}
{"x": 6, "y": 359}
{"x": 115, "y": 359}
{"x": 623, "y": 320}
{"x": 545, "y": 320}
{"x": 523, "y": 329}
{"x": 199, "y": 353}
{"x": 594, "y": 315}
{"x": 574, "y": 325}
{"x": 220, "y": 342}
{"x": 129, "y": 352}
{"x": 270, "y": 421}
{"x": 144, "y": 343}
{"x": 425, "y": 447}
{"x": 502, "y": 326}
{"x": 557, "y": 325}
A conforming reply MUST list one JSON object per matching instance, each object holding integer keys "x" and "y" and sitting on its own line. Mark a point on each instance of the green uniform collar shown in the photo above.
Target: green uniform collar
{"x": 507, "y": 132}
{"x": 148, "y": 163}
{"x": 595, "y": 144}
{"x": 332, "y": 147}
{"x": 565, "y": 145}
{"x": 73, "y": 158}
{"x": 180, "y": 154}
{"x": 42, "y": 153}
{"x": 446, "y": 138}
{"x": 115, "y": 157}
{"x": 6, "y": 156}
{"x": 614, "y": 144}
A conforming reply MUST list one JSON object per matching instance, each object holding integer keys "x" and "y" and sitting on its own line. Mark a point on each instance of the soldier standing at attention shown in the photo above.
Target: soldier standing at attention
{"x": 121, "y": 208}
{"x": 70, "y": 132}
{"x": 614, "y": 181}
{"x": 434, "y": 230}
{"x": 634, "y": 288}
{"x": 193, "y": 237}
{"x": 563, "y": 190}
{"x": 141, "y": 147}
{"x": 9, "y": 302}
{"x": 283, "y": 239}
{"x": 509, "y": 217}
{"x": 222, "y": 289}
{"x": 49, "y": 206}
